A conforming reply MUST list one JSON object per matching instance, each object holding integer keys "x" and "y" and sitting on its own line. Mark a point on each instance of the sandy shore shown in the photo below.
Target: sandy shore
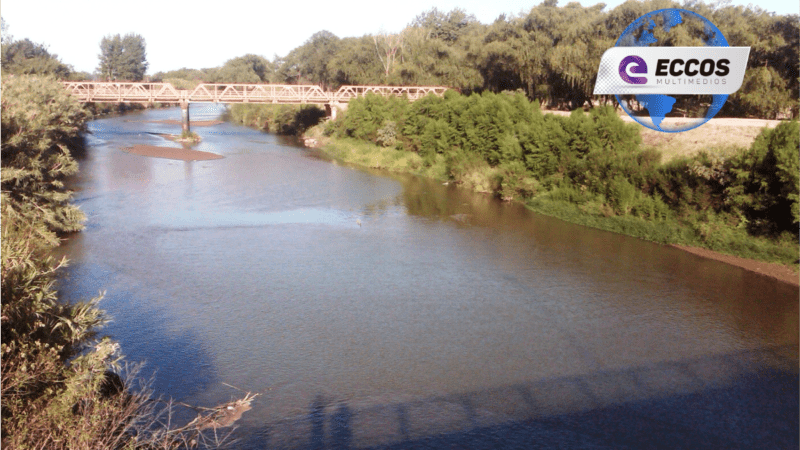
{"x": 721, "y": 121}
{"x": 182, "y": 154}
{"x": 717, "y": 133}
{"x": 772, "y": 270}
{"x": 193, "y": 123}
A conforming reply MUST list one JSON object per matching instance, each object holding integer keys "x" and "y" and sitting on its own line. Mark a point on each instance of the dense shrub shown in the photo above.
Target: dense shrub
{"x": 39, "y": 120}
{"x": 52, "y": 361}
{"x": 622, "y": 195}
{"x": 515, "y": 182}
{"x": 278, "y": 119}
{"x": 366, "y": 115}
{"x": 387, "y": 135}
{"x": 544, "y": 145}
{"x": 766, "y": 181}
{"x": 437, "y": 137}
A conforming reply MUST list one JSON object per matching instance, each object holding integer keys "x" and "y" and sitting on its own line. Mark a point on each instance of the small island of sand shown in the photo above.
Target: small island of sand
{"x": 183, "y": 154}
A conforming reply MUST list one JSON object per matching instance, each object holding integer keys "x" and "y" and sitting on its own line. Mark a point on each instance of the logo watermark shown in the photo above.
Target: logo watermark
{"x": 672, "y": 70}
{"x": 643, "y": 76}
{"x": 640, "y": 66}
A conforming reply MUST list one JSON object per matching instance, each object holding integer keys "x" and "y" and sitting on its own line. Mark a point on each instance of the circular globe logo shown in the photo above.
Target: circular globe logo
{"x": 668, "y": 28}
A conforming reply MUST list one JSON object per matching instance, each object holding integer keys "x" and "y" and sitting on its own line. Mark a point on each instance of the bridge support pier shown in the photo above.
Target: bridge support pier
{"x": 185, "y": 116}
{"x": 331, "y": 109}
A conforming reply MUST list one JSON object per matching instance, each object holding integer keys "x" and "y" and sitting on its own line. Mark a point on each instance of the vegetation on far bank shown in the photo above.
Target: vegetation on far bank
{"x": 278, "y": 119}
{"x": 586, "y": 168}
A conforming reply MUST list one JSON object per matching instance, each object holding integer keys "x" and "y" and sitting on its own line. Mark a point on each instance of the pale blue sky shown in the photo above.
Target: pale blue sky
{"x": 202, "y": 34}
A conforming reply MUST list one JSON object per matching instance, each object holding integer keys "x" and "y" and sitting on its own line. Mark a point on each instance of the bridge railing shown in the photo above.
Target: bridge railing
{"x": 259, "y": 93}
{"x": 117, "y": 92}
{"x": 112, "y": 92}
{"x": 347, "y": 93}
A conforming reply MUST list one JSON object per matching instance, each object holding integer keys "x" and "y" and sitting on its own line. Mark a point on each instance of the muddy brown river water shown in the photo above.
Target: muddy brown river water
{"x": 376, "y": 310}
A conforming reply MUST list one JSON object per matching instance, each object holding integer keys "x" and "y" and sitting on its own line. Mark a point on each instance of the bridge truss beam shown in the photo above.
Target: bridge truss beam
{"x": 113, "y": 92}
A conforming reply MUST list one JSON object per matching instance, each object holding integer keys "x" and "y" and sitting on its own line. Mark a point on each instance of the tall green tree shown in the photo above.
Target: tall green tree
{"x": 438, "y": 49}
{"x": 245, "y": 69}
{"x": 309, "y": 62}
{"x": 25, "y": 57}
{"x": 574, "y": 39}
{"x": 448, "y": 27}
{"x": 766, "y": 182}
{"x": 510, "y": 58}
{"x": 356, "y": 62}
{"x": 123, "y": 57}
{"x": 770, "y": 86}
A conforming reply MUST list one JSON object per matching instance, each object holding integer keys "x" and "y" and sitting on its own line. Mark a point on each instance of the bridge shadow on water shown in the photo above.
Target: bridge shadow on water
{"x": 746, "y": 400}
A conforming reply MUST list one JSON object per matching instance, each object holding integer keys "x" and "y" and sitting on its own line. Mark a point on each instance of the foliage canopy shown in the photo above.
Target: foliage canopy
{"x": 123, "y": 58}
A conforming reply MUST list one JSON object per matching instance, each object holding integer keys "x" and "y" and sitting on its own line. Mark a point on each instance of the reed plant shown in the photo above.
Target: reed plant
{"x": 63, "y": 385}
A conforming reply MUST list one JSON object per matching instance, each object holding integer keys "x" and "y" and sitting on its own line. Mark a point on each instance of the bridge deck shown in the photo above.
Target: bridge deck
{"x": 112, "y": 92}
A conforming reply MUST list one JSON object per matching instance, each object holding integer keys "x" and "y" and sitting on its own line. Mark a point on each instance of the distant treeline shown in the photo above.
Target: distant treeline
{"x": 551, "y": 54}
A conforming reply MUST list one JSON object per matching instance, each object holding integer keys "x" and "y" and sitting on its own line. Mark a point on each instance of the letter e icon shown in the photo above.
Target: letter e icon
{"x": 640, "y": 67}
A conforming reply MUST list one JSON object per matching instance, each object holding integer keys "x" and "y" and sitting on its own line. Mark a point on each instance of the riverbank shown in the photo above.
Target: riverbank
{"x": 672, "y": 233}
{"x": 771, "y": 270}
{"x": 193, "y": 123}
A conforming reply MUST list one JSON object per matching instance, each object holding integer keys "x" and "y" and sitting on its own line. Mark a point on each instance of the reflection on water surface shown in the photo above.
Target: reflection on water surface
{"x": 373, "y": 309}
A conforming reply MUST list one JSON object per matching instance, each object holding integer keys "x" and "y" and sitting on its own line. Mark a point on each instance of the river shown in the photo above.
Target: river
{"x": 370, "y": 309}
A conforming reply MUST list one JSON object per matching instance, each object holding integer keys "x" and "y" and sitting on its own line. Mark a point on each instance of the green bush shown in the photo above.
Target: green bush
{"x": 622, "y": 195}
{"x": 766, "y": 181}
{"x": 544, "y": 146}
{"x": 278, "y": 119}
{"x": 471, "y": 170}
{"x": 39, "y": 122}
{"x": 515, "y": 182}
{"x": 569, "y": 194}
{"x": 366, "y": 115}
{"x": 387, "y": 135}
{"x": 650, "y": 208}
{"x": 437, "y": 138}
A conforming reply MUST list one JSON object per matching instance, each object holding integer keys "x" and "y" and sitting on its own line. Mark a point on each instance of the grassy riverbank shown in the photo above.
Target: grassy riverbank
{"x": 589, "y": 169}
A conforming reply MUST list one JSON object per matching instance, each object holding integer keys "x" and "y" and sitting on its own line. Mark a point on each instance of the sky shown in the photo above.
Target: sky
{"x": 202, "y": 34}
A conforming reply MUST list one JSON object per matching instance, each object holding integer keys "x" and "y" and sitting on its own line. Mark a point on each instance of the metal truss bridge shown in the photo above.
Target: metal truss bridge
{"x": 110, "y": 92}
{"x": 126, "y": 92}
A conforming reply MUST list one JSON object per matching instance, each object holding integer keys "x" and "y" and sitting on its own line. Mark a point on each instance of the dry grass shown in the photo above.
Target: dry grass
{"x": 710, "y": 137}
{"x": 715, "y": 136}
